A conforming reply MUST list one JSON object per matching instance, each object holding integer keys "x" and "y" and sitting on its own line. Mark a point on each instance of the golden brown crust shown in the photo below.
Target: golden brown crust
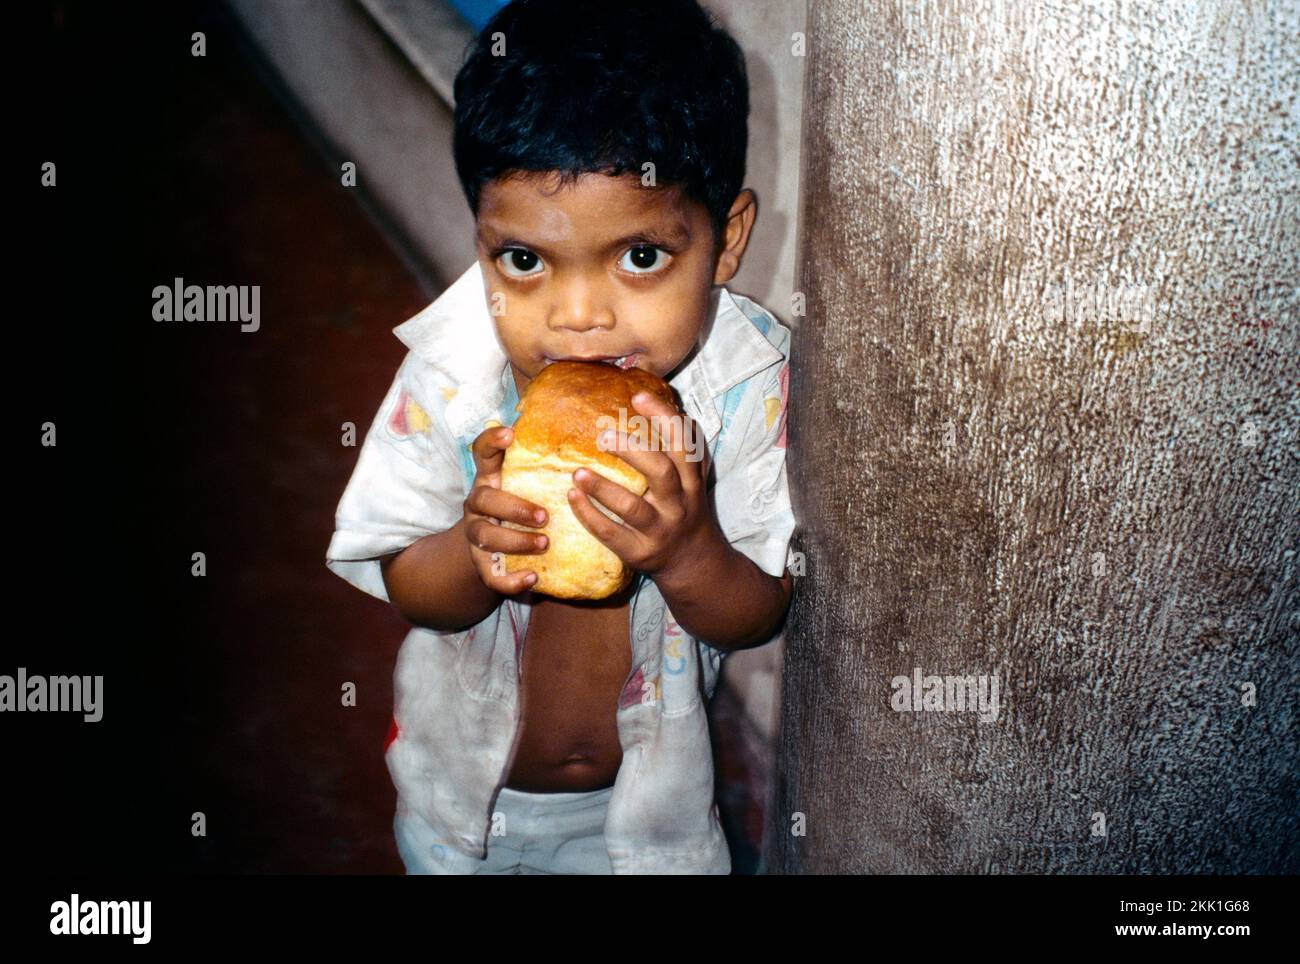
{"x": 562, "y": 412}
{"x": 561, "y": 408}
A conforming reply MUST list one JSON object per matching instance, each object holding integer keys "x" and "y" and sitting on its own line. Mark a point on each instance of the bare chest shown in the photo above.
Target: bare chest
{"x": 576, "y": 660}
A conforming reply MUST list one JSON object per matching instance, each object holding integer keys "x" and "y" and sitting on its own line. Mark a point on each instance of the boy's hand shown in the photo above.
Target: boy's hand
{"x": 487, "y": 505}
{"x": 674, "y": 521}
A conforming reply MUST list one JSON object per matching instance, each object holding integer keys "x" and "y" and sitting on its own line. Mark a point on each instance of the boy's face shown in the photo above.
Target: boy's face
{"x": 603, "y": 268}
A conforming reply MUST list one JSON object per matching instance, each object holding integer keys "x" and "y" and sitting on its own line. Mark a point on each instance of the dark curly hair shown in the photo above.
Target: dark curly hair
{"x": 604, "y": 86}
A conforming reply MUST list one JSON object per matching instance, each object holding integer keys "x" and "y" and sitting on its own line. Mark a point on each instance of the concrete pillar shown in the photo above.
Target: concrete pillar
{"x": 1044, "y": 432}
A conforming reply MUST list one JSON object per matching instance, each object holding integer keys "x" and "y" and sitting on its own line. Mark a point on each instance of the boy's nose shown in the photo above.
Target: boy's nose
{"x": 579, "y": 308}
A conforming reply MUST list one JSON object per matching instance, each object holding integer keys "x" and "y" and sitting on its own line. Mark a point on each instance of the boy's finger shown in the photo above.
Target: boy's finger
{"x": 632, "y": 509}
{"x": 518, "y": 582}
{"x": 489, "y": 448}
{"x": 497, "y": 504}
{"x": 612, "y": 534}
{"x": 491, "y": 538}
{"x": 658, "y": 465}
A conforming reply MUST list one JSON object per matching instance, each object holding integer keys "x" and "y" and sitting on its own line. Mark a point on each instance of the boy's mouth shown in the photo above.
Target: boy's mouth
{"x": 620, "y": 361}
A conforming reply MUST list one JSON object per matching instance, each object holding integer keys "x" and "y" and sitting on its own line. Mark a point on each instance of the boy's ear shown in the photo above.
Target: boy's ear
{"x": 735, "y": 238}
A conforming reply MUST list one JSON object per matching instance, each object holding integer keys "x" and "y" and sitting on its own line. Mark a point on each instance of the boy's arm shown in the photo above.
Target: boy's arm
{"x": 720, "y": 596}
{"x": 434, "y": 584}
{"x": 733, "y": 590}
{"x": 399, "y": 528}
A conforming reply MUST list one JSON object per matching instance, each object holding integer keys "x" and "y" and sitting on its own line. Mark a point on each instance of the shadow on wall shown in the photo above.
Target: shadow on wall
{"x": 764, "y": 275}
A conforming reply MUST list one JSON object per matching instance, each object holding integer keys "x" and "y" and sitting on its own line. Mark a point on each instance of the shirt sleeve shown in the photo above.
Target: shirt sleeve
{"x": 752, "y": 494}
{"x": 408, "y": 483}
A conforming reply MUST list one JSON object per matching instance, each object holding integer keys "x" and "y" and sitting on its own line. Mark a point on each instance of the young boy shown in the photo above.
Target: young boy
{"x": 602, "y": 150}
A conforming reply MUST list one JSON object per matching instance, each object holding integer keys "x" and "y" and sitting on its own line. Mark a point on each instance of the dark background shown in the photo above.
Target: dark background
{"x": 221, "y": 694}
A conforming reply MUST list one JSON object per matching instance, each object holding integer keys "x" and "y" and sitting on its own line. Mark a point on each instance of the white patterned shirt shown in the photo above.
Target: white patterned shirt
{"x": 457, "y": 710}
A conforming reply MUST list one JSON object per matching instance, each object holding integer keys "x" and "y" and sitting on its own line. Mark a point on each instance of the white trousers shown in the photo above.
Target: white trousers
{"x": 539, "y": 833}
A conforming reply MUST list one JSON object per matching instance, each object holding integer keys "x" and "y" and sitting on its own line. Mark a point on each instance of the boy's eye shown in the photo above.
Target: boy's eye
{"x": 519, "y": 262}
{"x": 644, "y": 259}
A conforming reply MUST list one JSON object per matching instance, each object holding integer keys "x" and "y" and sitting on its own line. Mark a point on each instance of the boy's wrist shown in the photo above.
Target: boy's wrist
{"x": 694, "y": 562}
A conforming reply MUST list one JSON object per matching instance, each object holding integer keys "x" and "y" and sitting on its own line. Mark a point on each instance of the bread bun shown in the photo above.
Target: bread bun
{"x": 562, "y": 412}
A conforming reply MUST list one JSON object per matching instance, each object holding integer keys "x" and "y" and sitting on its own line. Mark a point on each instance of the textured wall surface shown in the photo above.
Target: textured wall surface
{"x": 1047, "y": 403}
